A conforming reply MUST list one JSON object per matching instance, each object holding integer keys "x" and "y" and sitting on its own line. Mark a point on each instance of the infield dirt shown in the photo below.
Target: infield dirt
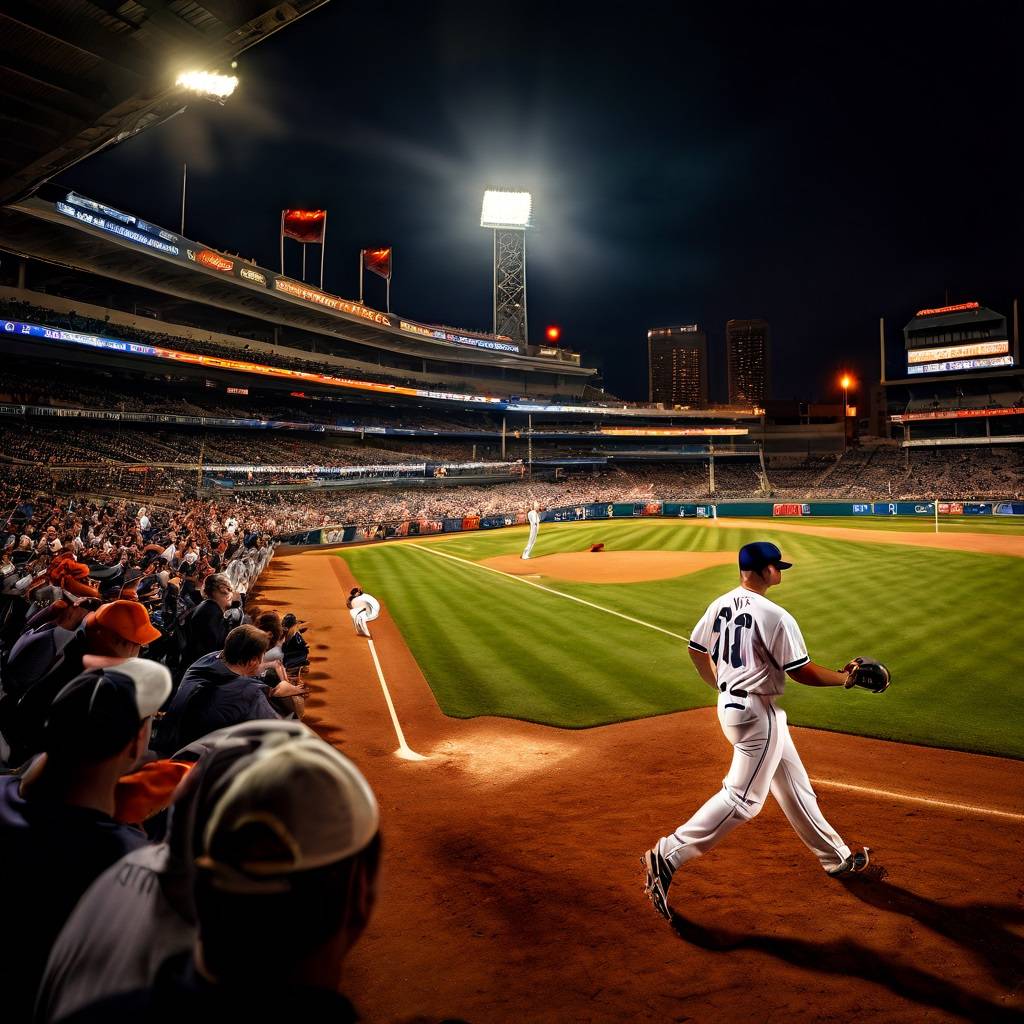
{"x": 511, "y": 887}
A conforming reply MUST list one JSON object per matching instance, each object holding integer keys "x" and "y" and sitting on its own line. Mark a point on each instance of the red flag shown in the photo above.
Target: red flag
{"x": 379, "y": 261}
{"x": 304, "y": 225}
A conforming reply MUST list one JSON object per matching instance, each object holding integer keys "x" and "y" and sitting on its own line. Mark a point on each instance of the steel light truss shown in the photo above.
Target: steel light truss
{"x": 510, "y": 284}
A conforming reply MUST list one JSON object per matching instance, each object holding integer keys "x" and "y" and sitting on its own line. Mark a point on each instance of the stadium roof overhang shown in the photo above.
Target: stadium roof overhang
{"x": 939, "y": 321}
{"x": 77, "y": 76}
{"x": 34, "y": 227}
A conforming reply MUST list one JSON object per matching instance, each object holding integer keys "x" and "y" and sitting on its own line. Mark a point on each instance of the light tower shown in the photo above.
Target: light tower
{"x": 508, "y": 215}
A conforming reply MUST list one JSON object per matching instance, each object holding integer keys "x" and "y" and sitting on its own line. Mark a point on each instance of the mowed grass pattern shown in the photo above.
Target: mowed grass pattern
{"x": 944, "y": 622}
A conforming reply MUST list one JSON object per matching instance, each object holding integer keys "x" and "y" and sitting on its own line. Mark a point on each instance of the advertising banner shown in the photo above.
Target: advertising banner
{"x": 791, "y": 509}
{"x": 977, "y": 508}
{"x": 1009, "y": 508}
{"x": 903, "y": 508}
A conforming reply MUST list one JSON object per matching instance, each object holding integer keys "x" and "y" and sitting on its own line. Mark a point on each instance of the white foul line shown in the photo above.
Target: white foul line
{"x": 820, "y": 782}
{"x": 404, "y": 750}
{"x": 558, "y": 593}
{"x": 970, "y": 808}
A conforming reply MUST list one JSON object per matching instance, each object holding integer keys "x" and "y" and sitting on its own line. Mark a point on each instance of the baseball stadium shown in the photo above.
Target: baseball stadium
{"x": 452, "y": 582}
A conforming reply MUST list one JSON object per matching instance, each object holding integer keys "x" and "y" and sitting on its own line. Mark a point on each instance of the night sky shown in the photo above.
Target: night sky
{"x": 818, "y": 165}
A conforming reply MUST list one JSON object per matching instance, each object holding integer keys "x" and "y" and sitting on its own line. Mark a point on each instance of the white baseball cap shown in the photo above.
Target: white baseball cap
{"x": 297, "y": 804}
{"x": 100, "y": 710}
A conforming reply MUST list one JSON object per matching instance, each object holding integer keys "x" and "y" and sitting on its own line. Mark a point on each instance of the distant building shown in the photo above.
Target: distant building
{"x": 677, "y": 361}
{"x": 747, "y": 354}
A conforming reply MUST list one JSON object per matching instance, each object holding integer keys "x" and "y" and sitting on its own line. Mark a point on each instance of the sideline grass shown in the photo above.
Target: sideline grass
{"x": 489, "y": 645}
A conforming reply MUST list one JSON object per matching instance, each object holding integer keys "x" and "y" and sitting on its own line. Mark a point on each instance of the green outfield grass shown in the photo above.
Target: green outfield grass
{"x": 910, "y": 524}
{"x": 945, "y": 623}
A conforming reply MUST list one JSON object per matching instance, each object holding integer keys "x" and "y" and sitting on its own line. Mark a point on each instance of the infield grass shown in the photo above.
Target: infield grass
{"x": 946, "y": 623}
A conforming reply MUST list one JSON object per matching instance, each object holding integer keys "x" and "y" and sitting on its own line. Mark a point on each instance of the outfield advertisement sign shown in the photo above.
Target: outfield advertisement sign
{"x": 904, "y": 508}
{"x": 665, "y": 509}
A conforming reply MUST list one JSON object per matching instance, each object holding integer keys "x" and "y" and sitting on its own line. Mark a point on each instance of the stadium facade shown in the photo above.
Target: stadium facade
{"x": 961, "y": 383}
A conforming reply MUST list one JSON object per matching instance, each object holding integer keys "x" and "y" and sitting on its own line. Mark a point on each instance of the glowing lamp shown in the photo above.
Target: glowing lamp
{"x": 210, "y": 84}
{"x": 553, "y": 333}
{"x": 845, "y": 382}
{"x": 506, "y": 210}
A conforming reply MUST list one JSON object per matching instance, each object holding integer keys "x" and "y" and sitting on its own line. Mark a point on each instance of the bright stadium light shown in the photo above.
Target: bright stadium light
{"x": 210, "y": 84}
{"x": 506, "y": 210}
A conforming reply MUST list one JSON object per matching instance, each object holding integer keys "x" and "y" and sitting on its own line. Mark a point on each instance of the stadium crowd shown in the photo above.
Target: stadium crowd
{"x": 149, "y": 717}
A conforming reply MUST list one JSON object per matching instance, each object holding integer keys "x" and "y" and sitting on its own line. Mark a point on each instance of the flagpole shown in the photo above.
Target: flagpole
{"x": 303, "y": 262}
{"x": 389, "y": 293}
{"x": 323, "y": 247}
{"x": 361, "y": 254}
{"x": 282, "y": 243}
{"x": 184, "y": 183}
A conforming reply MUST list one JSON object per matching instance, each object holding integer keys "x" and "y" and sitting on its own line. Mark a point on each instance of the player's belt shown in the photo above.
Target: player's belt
{"x": 735, "y": 691}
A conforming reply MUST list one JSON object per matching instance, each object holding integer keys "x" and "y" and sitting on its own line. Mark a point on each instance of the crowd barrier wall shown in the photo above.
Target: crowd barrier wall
{"x": 355, "y": 533}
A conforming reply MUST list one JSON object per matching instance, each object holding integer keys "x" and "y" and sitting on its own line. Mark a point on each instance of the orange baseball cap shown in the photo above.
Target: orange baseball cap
{"x": 129, "y": 620}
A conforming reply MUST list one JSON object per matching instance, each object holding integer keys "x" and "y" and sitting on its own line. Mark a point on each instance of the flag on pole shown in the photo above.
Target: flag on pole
{"x": 379, "y": 261}
{"x": 306, "y": 226}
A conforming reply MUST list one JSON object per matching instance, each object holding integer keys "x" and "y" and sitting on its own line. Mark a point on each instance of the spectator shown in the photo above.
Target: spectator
{"x": 283, "y": 889}
{"x": 57, "y": 830}
{"x": 206, "y": 628}
{"x": 117, "y": 631}
{"x": 295, "y": 648}
{"x": 221, "y": 689}
{"x": 270, "y": 623}
{"x": 140, "y": 910}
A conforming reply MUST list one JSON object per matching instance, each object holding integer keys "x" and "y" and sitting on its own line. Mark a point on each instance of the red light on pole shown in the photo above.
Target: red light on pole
{"x": 553, "y": 333}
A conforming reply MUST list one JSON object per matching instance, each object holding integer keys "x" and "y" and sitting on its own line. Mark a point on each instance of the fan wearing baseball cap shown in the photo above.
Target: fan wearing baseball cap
{"x": 57, "y": 830}
{"x": 140, "y": 910}
{"x": 117, "y": 631}
{"x": 287, "y": 864}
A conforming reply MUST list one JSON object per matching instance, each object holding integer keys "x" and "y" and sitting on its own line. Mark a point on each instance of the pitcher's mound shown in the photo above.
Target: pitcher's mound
{"x": 612, "y": 566}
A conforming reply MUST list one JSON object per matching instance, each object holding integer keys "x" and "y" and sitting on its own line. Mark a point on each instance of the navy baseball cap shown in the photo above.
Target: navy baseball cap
{"x": 759, "y": 555}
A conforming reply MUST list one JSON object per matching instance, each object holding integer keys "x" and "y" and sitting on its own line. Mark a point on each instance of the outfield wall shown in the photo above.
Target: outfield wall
{"x": 354, "y": 533}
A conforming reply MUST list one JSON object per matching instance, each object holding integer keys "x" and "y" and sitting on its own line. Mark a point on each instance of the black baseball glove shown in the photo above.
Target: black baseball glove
{"x": 868, "y": 674}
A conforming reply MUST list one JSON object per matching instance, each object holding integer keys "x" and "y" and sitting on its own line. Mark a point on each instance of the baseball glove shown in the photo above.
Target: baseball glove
{"x": 868, "y": 674}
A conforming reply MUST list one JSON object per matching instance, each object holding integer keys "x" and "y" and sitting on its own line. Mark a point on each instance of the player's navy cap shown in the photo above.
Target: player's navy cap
{"x": 759, "y": 555}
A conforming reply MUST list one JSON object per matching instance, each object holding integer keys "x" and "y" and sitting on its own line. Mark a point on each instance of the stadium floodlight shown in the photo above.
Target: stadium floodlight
{"x": 506, "y": 210}
{"x": 508, "y": 215}
{"x": 210, "y": 84}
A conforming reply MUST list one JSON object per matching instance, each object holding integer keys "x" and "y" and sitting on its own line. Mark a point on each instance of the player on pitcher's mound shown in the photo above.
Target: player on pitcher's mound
{"x": 533, "y": 518}
{"x": 744, "y": 647}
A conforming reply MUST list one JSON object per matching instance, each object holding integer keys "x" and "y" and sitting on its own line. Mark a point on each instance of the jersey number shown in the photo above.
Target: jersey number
{"x": 723, "y": 632}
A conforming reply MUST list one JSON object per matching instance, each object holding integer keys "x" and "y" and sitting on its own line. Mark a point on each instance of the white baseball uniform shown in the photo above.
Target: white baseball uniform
{"x": 533, "y": 518}
{"x": 365, "y": 608}
{"x": 753, "y": 643}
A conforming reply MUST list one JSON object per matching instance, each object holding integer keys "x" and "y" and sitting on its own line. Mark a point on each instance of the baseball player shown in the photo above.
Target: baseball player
{"x": 363, "y": 608}
{"x": 744, "y": 647}
{"x": 533, "y": 518}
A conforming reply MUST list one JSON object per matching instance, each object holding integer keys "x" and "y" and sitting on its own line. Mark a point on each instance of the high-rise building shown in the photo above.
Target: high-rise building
{"x": 747, "y": 354}
{"x": 677, "y": 365}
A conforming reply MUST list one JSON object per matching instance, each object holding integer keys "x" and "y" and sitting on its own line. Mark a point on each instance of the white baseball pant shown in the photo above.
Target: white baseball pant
{"x": 361, "y": 616}
{"x": 534, "y": 527}
{"x": 764, "y": 760}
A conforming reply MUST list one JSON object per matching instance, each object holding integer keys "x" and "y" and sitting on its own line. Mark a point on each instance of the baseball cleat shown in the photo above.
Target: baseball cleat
{"x": 853, "y": 864}
{"x": 659, "y": 878}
